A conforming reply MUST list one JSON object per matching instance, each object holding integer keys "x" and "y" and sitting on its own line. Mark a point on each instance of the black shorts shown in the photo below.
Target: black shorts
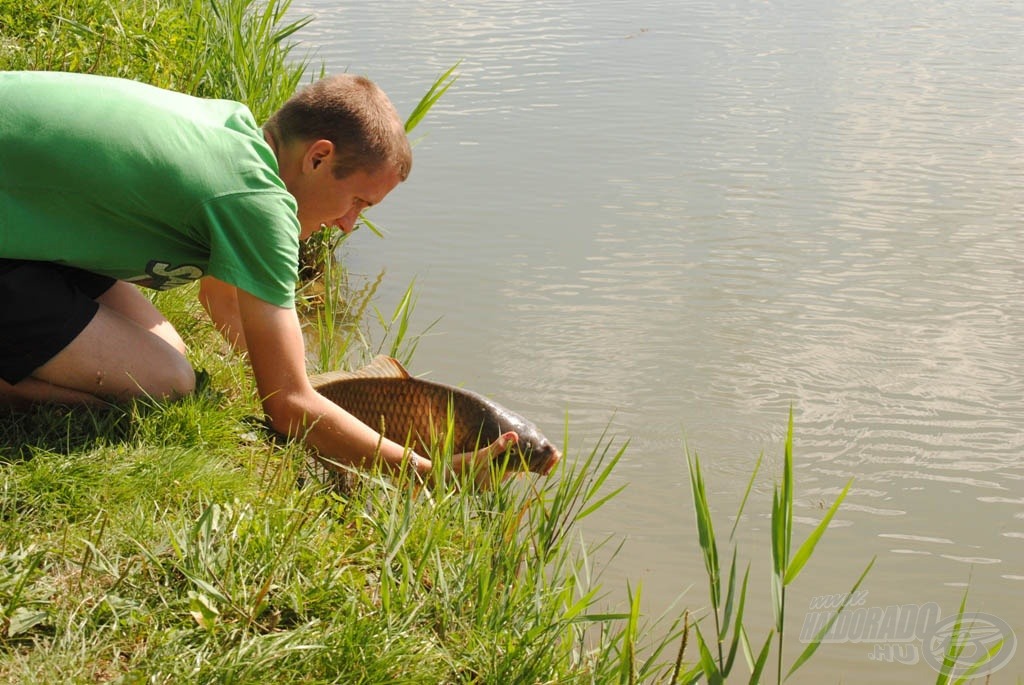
{"x": 43, "y": 307}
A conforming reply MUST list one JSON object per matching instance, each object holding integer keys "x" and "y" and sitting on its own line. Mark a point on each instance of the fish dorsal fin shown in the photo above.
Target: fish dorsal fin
{"x": 382, "y": 366}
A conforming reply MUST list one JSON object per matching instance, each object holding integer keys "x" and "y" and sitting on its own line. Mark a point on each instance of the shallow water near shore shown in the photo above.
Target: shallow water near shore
{"x": 678, "y": 220}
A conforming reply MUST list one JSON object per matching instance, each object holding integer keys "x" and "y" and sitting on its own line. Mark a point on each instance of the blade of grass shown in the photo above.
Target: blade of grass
{"x": 762, "y": 659}
{"x": 440, "y": 86}
{"x": 816, "y": 642}
{"x": 738, "y": 630}
{"x": 803, "y": 554}
{"x": 954, "y": 648}
{"x": 746, "y": 494}
{"x": 985, "y": 658}
{"x": 705, "y": 530}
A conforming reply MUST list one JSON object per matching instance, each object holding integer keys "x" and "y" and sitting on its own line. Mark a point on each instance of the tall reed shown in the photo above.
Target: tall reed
{"x": 717, "y": 656}
{"x": 241, "y": 50}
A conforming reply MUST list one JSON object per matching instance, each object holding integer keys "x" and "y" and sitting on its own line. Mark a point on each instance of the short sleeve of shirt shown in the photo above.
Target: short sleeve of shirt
{"x": 254, "y": 243}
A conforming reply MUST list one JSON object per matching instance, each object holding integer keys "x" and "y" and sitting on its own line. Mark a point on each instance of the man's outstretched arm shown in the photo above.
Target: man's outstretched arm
{"x": 276, "y": 350}
{"x": 273, "y": 338}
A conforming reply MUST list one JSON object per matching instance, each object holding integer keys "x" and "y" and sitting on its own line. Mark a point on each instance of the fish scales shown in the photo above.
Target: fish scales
{"x": 412, "y": 411}
{"x": 418, "y": 410}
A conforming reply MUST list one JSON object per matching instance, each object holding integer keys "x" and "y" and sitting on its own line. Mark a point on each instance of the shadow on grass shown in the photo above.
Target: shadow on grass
{"x": 69, "y": 429}
{"x": 61, "y": 429}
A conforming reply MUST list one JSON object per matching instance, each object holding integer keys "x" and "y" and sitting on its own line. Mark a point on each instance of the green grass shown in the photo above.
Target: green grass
{"x": 161, "y": 544}
{"x": 237, "y": 49}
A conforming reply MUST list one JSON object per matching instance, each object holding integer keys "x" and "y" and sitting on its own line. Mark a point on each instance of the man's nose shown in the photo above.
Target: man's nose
{"x": 347, "y": 223}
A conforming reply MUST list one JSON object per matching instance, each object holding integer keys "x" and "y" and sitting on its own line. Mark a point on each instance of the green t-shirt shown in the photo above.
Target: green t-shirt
{"x": 142, "y": 184}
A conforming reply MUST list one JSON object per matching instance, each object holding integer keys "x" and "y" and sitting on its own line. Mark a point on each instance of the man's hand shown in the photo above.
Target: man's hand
{"x": 475, "y": 466}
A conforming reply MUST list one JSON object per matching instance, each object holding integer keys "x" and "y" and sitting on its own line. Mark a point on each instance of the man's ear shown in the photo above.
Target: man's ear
{"x": 317, "y": 153}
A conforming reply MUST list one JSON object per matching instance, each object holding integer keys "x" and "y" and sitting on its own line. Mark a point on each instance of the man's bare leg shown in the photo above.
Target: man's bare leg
{"x": 32, "y": 391}
{"x": 128, "y": 350}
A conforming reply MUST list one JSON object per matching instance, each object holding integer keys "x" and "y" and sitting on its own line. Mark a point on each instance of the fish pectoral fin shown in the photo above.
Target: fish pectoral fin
{"x": 382, "y": 366}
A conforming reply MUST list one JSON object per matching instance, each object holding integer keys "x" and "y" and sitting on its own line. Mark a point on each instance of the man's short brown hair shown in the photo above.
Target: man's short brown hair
{"x": 353, "y": 113}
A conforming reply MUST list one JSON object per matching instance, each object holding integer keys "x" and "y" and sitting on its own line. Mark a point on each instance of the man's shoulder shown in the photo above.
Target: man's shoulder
{"x": 111, "y": 95}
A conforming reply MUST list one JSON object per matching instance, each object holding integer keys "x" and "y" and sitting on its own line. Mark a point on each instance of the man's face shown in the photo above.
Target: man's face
{"x": 325, "y": 200}
{"x": 338, "y": 202}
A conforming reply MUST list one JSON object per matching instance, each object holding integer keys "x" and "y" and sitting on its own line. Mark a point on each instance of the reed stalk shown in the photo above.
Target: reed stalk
{"x": 715, "y": 662}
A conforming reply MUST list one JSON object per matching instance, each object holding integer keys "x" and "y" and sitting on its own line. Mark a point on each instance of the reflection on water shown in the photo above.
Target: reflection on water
{"x": 679, "y": 219}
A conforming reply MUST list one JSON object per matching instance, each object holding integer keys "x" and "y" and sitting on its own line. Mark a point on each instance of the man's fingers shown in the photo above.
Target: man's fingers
{"x": 503, "y": 442}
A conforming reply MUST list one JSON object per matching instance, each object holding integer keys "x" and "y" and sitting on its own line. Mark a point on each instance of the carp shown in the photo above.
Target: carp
{"x": 415, "y": 412}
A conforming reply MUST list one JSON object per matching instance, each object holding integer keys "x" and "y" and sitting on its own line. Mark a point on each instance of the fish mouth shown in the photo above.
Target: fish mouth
{"x": 549, "y": 463}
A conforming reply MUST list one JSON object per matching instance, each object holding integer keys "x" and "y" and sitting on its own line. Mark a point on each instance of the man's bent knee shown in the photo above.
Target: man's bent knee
{"x": 178, "y": 380}
{"x": 165, "y": 377}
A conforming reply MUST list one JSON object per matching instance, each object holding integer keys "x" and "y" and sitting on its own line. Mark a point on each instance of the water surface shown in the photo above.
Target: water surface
{"x": 676, "y": 220}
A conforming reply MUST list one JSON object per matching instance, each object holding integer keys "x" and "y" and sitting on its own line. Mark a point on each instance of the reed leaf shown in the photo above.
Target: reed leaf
{"x": 738, "y": 634}
{"x": 593, "y": 489}
{"x": 707, "y": 661}
{"x": 778, "y": 545}
{"x": 372, "y": 226}
{"x": 746, "y": 495}
{"x": 705, "y": 531}
{"x": 816, "y": 642}
{"x": 729, "y": 598}
{"x": 953, "y": 649}
{"x": 401, "y": 316}
{"x": 803, "y": 554}
{"x": 439, "y": 88}
{"x": 984, "y": 659}
{"x": 757, "y": 667}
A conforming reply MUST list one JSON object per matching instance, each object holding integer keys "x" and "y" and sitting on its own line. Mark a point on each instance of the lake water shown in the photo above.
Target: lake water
{"x": 678, "y": 219}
